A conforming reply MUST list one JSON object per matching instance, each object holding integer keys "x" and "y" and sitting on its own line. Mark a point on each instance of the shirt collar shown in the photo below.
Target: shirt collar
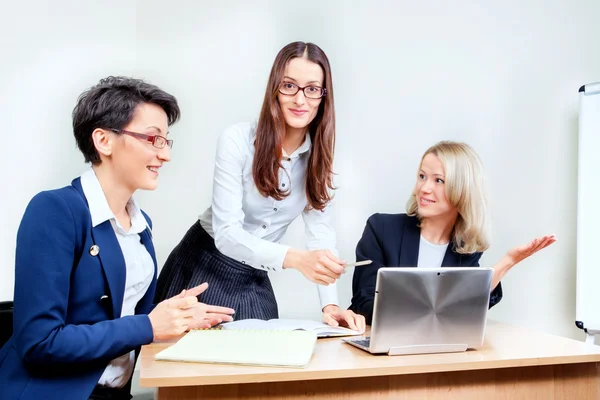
{"x": 304, "y": 147}
{"x": 99, "y": 209}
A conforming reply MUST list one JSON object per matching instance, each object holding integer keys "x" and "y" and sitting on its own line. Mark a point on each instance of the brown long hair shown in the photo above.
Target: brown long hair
{"x": 270, "y": 132}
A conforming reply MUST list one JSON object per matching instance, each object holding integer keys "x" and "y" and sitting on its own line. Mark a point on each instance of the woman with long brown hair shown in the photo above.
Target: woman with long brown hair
{"x": 266, "y": 175}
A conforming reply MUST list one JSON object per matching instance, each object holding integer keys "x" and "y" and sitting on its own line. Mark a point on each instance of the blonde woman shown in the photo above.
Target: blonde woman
{"x": 445, "y": 225}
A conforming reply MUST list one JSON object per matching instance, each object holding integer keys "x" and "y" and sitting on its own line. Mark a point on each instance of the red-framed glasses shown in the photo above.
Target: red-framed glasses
{"x": 157, "y": 141}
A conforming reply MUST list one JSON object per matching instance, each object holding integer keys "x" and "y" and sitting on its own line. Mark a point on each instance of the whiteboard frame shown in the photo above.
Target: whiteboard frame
{"x": 587, "y": 314}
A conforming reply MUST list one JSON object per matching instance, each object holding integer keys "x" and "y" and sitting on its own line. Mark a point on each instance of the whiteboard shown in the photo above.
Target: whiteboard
{"x": 587, "y": 314}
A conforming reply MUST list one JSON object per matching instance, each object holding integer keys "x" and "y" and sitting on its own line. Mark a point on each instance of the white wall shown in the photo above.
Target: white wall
{"x": 502, "y": 77}
{"x": 49, "y": 53}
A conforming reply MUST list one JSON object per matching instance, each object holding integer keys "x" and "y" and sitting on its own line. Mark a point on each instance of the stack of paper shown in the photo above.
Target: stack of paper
{"x": 322, "y": 330}
{"x": 251, "y": 347}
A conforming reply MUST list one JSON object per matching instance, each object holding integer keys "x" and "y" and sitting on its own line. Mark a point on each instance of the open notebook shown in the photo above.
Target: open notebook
{"x": 249, "y": 347}
{"x": 322, "y": 330}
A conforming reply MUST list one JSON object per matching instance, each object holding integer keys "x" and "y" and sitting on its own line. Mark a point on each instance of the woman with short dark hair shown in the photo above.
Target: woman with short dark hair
{"x": 85, "y": 268}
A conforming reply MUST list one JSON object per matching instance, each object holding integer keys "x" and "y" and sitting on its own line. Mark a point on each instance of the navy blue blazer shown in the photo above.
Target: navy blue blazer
{"x": 67, "y": 302}
{"x": 392, "y": 240}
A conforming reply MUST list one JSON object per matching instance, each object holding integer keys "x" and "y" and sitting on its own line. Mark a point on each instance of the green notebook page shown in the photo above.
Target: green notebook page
{"x": 248, "y": 347}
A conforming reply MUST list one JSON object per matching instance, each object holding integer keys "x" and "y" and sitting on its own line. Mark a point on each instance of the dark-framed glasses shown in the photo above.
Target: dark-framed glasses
{"x": 310, "y": 92}
{"x": 157, "y": 141}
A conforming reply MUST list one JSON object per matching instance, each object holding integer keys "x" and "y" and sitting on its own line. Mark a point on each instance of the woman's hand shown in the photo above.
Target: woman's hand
{"x": 180, "y": 313}
{"x": 205, "y": 315}
{"x": 318, "y": 266}
{"x": 518, "y": 254}
{"x": 171, "y": 317}
{"x": 334, "y": 316}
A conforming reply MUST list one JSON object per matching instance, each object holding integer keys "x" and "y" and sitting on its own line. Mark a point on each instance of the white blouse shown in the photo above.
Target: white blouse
{"x": 247, "y": 226}
{"x": 431, "y": 255}
{"x": 138, "y": 263}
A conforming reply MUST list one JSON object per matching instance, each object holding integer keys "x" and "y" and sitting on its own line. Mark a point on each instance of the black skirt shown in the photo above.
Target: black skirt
{"x": 232, "y": 284}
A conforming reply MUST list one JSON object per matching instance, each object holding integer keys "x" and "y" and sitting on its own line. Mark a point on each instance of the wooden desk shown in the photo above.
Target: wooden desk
{"x": 515, "y": 363}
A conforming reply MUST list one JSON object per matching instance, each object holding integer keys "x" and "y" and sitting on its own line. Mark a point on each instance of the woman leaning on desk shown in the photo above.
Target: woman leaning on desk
{"x": 85, "y": 268}
{"x": 266, "y": 175}
{"x": 445, "y": 225}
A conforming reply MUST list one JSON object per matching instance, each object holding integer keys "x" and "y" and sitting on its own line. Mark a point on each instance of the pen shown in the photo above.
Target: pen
{"x": 358, "y": 264}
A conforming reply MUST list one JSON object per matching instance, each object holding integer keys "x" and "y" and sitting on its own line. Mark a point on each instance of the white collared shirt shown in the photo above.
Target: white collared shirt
{"x": 247, "y": 226}
{"x": 138, "y": 263}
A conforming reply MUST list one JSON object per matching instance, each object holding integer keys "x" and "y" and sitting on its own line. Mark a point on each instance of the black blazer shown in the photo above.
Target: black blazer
{"x": 392, "y": 240}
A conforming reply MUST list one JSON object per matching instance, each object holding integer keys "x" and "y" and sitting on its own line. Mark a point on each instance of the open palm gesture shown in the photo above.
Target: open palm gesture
{"x": 519, "y": 253}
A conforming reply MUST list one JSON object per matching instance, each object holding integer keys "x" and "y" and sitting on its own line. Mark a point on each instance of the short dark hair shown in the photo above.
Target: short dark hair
{"x": 111, "y": 104}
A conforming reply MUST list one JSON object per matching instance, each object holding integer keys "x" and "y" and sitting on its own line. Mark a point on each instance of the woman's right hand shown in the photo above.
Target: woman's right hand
{"x": 176, "y": 315}
{"x": 318, "y": 266}
{"x": 171, "y": 317}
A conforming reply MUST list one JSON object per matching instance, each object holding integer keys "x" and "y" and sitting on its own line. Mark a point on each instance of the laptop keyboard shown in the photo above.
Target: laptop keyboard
{"x": 363, "y": 342}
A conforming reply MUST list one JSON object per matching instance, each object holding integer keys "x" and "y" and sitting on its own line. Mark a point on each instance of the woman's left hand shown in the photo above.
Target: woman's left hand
{"x": 334, "y": 316}
{"x": 518, "y": 254}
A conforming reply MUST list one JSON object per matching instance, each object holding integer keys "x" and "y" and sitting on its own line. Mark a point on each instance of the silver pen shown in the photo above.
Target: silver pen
{"x": 358, "y": 264}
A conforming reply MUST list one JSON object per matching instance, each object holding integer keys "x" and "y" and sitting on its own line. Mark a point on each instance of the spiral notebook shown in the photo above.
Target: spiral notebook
{"x": 246, "y": 347}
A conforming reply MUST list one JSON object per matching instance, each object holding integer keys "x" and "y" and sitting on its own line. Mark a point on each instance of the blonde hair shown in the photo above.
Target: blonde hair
{"x": 465, "y": 190}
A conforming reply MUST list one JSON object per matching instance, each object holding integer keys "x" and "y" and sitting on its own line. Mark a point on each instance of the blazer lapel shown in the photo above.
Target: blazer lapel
{"x": 409, "y": 249}
{"x": 146, "y": 240}
{"x": 113, "y": 263}
{"x": 144, "y": 306}
{"x": 451, "y": 258}
{"x": 110, "y": 256}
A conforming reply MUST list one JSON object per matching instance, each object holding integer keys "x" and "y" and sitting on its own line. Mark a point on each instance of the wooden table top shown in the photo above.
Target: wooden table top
{"x": 505, "y": 346}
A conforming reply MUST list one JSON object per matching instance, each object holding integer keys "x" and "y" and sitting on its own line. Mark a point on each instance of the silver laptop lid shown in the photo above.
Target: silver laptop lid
{"x": 430, "y": 306}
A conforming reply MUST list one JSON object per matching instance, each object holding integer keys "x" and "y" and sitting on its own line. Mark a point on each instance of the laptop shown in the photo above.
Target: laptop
{"x": 428, "y": 310}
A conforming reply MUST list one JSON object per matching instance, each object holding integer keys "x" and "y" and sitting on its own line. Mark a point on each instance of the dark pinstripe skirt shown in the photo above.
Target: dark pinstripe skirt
{"x": 230, "y": 283}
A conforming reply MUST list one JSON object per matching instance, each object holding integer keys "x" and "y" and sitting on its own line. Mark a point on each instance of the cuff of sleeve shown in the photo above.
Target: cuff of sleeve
{"x": 272, "y": 257}
{"x": 328, "y": 295}
{"x": 145, "y": 327}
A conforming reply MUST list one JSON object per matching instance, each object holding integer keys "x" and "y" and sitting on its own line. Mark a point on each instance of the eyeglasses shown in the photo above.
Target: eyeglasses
{"x": 157, "y": 141}
{"x": 311, "y": 92}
